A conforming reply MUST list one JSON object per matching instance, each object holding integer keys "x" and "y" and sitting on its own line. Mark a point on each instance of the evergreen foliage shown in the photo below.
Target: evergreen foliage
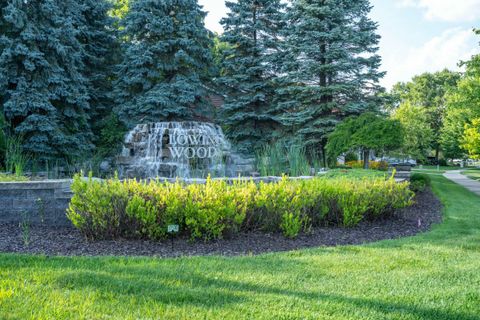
{"x": 248, "y": 70}
{"x": 330, "y": 67}
{"x": 3, "y": 138}
{"x": 167, "y": 55}
{"x": 365, "y": 132}
{"x": 97, "y": 35}
{"x": 43, "y": 93}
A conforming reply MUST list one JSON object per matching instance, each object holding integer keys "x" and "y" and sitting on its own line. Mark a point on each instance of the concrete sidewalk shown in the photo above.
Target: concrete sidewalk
{"x": 457, "y": 177}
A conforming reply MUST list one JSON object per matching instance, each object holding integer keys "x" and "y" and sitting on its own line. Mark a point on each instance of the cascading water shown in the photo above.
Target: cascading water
{"x": 174, "y": 149}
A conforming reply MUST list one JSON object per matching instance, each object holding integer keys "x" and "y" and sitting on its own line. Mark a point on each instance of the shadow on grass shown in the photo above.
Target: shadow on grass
{"x": 194, "y": 289}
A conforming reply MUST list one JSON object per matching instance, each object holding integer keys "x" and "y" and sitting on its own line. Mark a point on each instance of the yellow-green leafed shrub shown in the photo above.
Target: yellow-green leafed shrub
{"x": 111, "y": 208}
{"x": 212, "y": 210}
{"x": 98, "y": 207}
{"x": 144, "y": 213}
{"x": 374, "y": 165}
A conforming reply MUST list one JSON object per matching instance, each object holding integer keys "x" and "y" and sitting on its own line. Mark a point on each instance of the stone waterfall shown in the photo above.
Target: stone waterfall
{"x": 179, "y": 149}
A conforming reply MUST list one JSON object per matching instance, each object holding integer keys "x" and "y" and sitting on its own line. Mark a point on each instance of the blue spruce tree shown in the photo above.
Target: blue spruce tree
{"x": 248, "y": 70}
{"x": 97, "y": 34}
{"x": 330, "y": 67}
{"x": 167, "y": 56}
{"x": 43, "y": 92}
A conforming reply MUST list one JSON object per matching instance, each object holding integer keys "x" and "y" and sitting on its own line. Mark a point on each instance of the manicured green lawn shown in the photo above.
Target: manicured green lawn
{"x": 11, "y": 178}
{"x": 434, "y": 169}
{"x": 355, "y": 173}
{"x": 472, "y": 174}
{"x": 432, "y": 276}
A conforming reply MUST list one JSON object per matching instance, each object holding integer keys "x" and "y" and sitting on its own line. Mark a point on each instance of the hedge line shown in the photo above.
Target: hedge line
{"x": 112, "y": 208}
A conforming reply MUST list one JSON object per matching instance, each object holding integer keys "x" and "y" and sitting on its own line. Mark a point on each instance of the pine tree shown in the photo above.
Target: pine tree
{"x": 167, "y": 55}
{"x": 97, "y": 34}
{"x": 249, "y": 66}
{"x": 330, "y": 67}
{"x": 43, "y": 93}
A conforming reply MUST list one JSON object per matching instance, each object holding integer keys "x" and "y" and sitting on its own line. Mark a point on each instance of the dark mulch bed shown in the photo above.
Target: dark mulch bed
{"x": 68, "y": 241}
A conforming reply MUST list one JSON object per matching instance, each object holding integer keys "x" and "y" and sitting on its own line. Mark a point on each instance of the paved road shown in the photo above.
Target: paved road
{"x": 457, "y": 177}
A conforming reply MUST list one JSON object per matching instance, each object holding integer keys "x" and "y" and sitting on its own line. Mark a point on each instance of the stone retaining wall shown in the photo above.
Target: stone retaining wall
{"x": 38, "y": 201}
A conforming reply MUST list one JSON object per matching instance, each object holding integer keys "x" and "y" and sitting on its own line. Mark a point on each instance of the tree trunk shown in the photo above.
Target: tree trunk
{"x": 437, "y": 154}
{"x": 324, "y": 157}
{"x": 366, "y": 159}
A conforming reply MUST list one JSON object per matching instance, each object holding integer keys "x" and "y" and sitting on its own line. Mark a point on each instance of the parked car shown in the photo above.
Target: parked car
{"x": 395, "y": 162}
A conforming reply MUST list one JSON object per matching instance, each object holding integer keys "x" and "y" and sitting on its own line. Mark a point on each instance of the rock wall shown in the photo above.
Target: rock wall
{"x": 180, "y": 149}
{"x": 39, "y": 202}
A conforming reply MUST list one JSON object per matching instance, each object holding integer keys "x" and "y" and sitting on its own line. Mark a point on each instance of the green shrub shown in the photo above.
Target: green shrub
{"x": 144, "y": 213}
{"x": 111, "y": 208}
{"x": 351, "y": 157}
{"x": 442, "y": 163}
{"x": 373, "y": 165}
{"x": 111, "y": 136}
{"x": 419, "y": 182}
{"x": 291, "y": 225}
{"x": 212, "y": 210}
{"x": 98, "y": 208}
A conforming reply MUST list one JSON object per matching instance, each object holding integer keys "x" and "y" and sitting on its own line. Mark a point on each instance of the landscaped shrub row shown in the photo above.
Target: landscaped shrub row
{"x": 419, "y": 182}
{"x": 112, "y": 208}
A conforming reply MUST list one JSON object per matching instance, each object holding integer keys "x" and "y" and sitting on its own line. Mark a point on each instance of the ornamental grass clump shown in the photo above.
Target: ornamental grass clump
{"x": 112, "y": 208}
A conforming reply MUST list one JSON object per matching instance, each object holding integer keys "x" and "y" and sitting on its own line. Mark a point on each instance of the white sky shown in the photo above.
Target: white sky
{"x": 417, "y": 35}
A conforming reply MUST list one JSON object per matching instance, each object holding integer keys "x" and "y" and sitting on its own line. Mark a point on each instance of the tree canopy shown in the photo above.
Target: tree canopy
{"x": 74, "y": 75}
{"x": 167, "y": 55}
{"x": 43, "y": 90}
{"x": 365, "y": 133}
{"x": 463, "y": 108}
{"x": 330, "y": 67}
{"x": 471, "y": 138}
{"x": 418, "y": 133}
{"x": 427, "y": 93}
{"x": 248, "y": 68}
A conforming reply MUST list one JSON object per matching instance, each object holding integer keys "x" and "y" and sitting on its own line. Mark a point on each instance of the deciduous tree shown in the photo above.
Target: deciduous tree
{"x": 418, "y": 134}
{"x": 463, "y": 106}
{"x": 365, "y": 133}
{"x": 471, "y": 138}
{"x": 428, "y": 91}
